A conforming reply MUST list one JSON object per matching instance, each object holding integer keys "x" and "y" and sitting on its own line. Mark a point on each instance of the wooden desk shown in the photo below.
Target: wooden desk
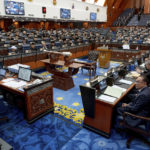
{"x": 102, "y": 120}
{"x": 62, "y": 80}
{"x": 90, "y": 65}
{"x": 38, "y": 98}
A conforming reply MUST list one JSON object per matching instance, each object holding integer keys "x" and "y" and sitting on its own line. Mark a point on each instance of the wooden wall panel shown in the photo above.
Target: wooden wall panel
{"x": 147, "y": 7}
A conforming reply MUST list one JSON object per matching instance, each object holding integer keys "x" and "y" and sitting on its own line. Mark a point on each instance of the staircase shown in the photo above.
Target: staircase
{"x": 133, "y": 21}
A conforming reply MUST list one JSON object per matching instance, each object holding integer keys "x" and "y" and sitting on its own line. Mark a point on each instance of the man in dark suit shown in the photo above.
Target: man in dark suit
{"x": 140, "y": 102}
{"x": 33, "y": 48}
{"x": 147, "y": 71}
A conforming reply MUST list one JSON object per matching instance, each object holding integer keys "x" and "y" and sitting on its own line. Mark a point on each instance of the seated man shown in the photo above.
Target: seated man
{"x": 44, "y": 47}
{"x": 140, "y": 102}
{"x": 13, "y": 50}
{"x": 33, "y": 48}
{"x": 147, "y": 71}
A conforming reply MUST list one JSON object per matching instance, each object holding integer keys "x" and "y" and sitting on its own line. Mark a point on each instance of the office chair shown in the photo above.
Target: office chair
{"x": 141, "y": 131}
{"x": 92, "y": 59}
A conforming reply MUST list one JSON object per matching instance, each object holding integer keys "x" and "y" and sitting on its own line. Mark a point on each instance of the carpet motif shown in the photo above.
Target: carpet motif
{"x": 69, "y": 113}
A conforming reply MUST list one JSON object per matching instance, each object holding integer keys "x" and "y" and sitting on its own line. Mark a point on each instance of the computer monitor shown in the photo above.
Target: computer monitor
{"x": 103, "y": 84}
{"x": 94, "y": 82}
{"x": 115, "y": 75}
{"x": 24, "y": 74}
{"x": 2, "y": 72}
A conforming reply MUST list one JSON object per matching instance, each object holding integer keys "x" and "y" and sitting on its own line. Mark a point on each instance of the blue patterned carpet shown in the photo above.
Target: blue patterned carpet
{"x": 48, "y": 133}
{"x": 63, "y": 129}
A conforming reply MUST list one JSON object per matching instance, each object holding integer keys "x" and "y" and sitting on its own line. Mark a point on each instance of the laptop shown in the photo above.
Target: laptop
{"x": 2, "y": 74}
{"x": 24, "y": 74}
{"x": 102, "y": 85}
{"x": 115, "y": 75}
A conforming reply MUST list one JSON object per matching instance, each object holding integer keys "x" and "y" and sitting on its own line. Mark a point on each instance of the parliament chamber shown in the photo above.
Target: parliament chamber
{"x": 74, "y": 74}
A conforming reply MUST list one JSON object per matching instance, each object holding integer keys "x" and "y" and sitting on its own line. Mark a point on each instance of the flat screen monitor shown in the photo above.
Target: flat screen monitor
{"x": 2, "y": 72}
{"x": 115, "y": 75}
{"x": 94, "y": 82}
{"x": 14, "y": 8}
{"x": 103, "y": 84}
{"x": 65, "y": 13}
{"x": 24, "y": 74}
{"x": 93, "y": 16}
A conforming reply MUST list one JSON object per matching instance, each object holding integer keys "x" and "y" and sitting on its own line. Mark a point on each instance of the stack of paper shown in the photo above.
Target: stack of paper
{"x": 134, "y": 74}
{"x": 118, "y": 87}
{"x": 7, "y": 80}
{"x": 113, "y": 91}
{"x": 125, "y": 81}
{"x": 107, "y": 98}
{"x": 15, "y": 84}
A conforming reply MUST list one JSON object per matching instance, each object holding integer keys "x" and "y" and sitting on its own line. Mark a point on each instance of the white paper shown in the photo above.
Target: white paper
{"x": 15, "y": 84}
{"x": 125, "y": 81}
{"x": 107, "y": 98}
{"x": 78, "y": 60}
{"x": 114, "y": 92}
{"x": 126, "y": 46}
{"x": 142, "y": 65}
{"x": 7, "y": 80}
{"x": 116, "y": 86}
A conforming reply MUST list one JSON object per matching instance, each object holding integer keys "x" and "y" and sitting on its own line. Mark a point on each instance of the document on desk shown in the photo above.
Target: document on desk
{"x": 79, "y": 60}
{"x": 125, "y": 81}
{"x": 107, "y": 98}
{"x": 118, "y": 87}
{"x": 114, "y": 92}
{"x": 15, "y": 84}
{"x": 7, "y": 80}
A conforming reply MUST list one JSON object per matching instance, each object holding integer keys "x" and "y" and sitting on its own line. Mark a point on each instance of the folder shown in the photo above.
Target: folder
{"x": 113, "y": 91}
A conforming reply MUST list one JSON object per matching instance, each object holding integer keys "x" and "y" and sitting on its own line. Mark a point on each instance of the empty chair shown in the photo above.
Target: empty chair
{"x": 91, "y": 64}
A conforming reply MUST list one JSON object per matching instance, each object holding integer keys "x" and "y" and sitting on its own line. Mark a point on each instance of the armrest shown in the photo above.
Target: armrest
{"x": 133, "y": 115}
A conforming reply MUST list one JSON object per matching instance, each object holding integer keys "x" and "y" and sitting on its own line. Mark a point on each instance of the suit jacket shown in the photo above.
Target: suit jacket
{"x": 140, "y": 105}
{"x": 148, "y": 75}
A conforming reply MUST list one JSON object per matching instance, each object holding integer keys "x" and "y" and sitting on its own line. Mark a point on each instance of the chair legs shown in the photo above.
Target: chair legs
{"x": 129, "y": 141}
{"x": 145, "y": 140}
